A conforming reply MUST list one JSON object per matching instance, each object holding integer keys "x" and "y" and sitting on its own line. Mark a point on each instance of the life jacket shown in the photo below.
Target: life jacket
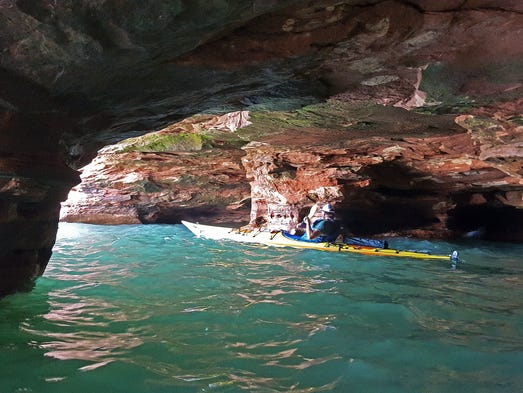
{"x": 330, "y": 229}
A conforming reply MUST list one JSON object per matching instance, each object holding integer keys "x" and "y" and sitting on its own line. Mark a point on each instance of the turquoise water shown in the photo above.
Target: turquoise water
{"x": 154, "y": 309}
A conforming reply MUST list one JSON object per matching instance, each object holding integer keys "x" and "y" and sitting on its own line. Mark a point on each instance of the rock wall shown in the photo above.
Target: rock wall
{"x": 164, "y": 177}
{"x": 34, "y": 179}
{"x": 425, "y": 177}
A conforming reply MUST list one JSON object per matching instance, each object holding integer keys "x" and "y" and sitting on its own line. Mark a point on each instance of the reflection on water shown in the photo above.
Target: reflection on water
{"x": 161, "y": 311}
{"x": 83, "y": 329}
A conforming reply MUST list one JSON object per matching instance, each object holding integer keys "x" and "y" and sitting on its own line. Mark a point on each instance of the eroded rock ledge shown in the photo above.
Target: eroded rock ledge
{"x": 426, "y": 176}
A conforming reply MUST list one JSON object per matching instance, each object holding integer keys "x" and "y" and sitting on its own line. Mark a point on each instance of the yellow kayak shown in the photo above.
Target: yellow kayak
{"x": 280, "y": 239}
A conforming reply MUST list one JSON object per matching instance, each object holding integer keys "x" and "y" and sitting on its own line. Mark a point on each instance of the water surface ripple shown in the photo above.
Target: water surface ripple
{"x": 153, "y": 309}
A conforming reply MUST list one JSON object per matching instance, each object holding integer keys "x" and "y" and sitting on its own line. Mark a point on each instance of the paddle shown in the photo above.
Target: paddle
{"x": 312, "y": 212}
{"x": 307, "y": 219}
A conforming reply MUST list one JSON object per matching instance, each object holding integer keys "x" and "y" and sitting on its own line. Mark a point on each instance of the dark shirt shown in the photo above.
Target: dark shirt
{"x": 329, "y": 229}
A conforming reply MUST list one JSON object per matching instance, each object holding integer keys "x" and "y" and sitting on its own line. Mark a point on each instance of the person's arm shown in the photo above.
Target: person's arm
{"x": 311, "y": 233}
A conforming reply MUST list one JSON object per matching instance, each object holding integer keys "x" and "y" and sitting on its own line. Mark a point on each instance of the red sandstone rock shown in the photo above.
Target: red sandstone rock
{"x": 427, "y": 167}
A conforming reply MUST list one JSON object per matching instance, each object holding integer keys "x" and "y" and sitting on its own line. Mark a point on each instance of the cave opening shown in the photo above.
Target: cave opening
{"x": 368, "y": 213}
{"x": 398, "y": 200}
{"x": 487, "y": 222}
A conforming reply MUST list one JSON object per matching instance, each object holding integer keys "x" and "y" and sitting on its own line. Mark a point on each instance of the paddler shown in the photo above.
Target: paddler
{"x": 325, "y": 229}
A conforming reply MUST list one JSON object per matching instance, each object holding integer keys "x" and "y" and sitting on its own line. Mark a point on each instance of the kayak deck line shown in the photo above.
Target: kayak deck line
{"x": 279, "y": 239}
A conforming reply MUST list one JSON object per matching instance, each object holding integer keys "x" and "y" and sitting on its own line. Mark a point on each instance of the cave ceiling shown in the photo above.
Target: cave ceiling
{"x": 117, "y": 69}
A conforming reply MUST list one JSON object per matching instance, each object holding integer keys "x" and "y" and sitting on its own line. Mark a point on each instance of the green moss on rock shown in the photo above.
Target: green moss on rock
{"x": 163, "y": 142}
{"x": 517, "y": 120}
